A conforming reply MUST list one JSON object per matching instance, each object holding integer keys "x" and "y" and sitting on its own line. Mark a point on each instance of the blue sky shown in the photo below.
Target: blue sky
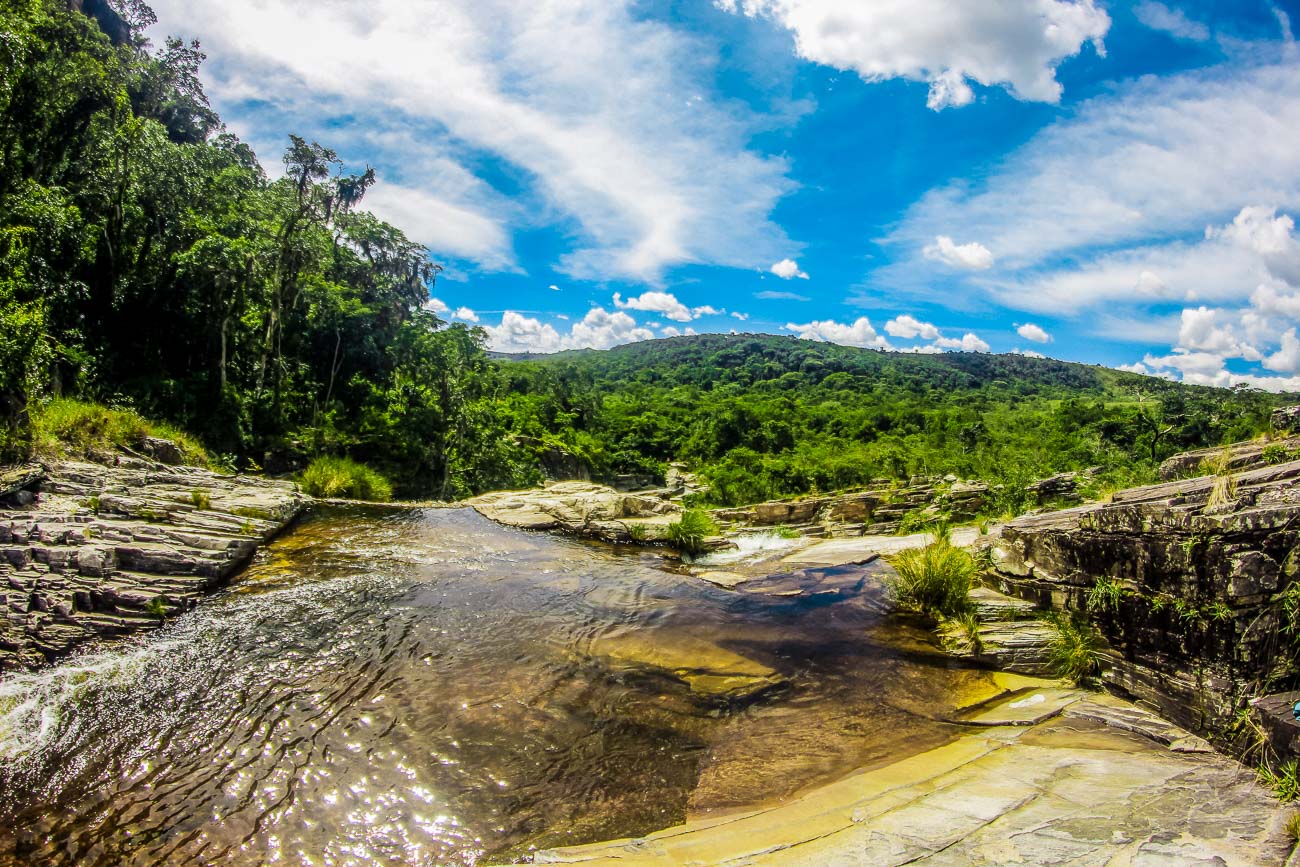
{"x": 1098, "y": 182}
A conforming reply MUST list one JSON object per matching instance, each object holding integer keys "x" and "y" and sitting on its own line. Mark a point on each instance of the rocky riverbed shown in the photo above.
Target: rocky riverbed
{"x": 92, "y": 551}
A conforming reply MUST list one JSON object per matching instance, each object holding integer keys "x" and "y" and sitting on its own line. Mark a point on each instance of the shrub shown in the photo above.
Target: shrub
{"x": 65, "y": 426}
{"x": 936, "y": 580}
{"x": 689, "y": 533}
{"x": 1292, "y": 827}
{"x": 157, "y": 607}
{"x": 201, "y": 500}
{"x": 340, "y": 477}
{"x": 1075, "y": 649}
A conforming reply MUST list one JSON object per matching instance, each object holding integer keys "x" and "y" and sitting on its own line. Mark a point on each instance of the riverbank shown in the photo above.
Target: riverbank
{"x": 93, "y": 551}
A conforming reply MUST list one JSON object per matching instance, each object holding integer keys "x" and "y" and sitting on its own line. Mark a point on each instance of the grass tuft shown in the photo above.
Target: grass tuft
{"x": 1075, "y": 649}
{"x": 1282, "y": 780}
{"x": 935, "y": 580}
{"x": 344, "y": 478}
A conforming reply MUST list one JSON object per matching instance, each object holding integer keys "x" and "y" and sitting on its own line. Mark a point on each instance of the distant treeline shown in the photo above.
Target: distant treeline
{"x": 147, "y": 260}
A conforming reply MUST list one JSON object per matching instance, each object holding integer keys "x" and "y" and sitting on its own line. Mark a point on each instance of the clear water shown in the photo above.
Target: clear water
{"x": 419, "y": 687}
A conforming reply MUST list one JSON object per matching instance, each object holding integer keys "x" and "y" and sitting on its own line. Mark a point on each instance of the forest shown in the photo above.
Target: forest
{"x": 148, "y": 261}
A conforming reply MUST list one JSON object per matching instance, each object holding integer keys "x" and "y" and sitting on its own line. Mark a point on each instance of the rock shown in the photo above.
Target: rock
{"x": 1068, "y": 789}
{"x": 163, "y": 451}
{"x": 1233, "y": 458}
{"x": 579, "y": 508}
{"x": 104, "y": 541}
{"x": 1286, "y": 418}
{"x": 18, "y": 483}
{"x": 710, "y": 671}
{"x": 1020, "y": 646}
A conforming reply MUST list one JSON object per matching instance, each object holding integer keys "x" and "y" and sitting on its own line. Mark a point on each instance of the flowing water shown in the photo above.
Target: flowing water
{"x": 424, "y": 687}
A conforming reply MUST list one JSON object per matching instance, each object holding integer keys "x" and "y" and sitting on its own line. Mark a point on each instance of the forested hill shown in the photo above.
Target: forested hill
{"x": 765, "y": 416}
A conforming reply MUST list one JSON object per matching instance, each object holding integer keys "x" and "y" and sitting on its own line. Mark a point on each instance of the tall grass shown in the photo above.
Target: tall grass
{"x": 340, "y": 477}
{"x": 64, "y": 427}
{"x": 936, "y": 580}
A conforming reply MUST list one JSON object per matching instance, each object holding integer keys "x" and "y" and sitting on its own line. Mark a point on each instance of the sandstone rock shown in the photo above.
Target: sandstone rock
{"x": 1286, "y": 418}
{"x": 709, "y": 670}
{"x": 580, "y": 508}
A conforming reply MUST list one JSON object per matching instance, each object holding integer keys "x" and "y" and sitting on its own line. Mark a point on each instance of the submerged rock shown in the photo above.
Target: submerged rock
{"x": 707, "y": 669}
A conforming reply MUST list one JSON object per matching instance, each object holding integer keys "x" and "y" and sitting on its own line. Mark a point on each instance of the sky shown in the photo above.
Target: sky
{"x": 1104, "y": 182}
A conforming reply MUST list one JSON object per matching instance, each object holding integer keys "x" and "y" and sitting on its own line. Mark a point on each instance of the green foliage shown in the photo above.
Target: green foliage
{"x": 1075, "y": 649}
{"x": 1281, "y": 779}
{"x": 72, "y": 427}
{"x": 1292, "y": 827}
{"x": 340, "y": 477}
{"x": 1277, "y": 453}
{"x": 201, "y": 500}
{"x": 935, "y": 580}
{"x": 1105, "y": 595}
{"x": 157, "y": 606}
{"x": 689, "y": 533}
{"x": 784, "y": 532}
{"x": 968, "y": 623}
{"x": 637, "y": 532}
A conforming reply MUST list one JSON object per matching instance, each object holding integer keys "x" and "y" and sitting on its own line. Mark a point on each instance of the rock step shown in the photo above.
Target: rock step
{"x": 994, "y": 607}
{"x": 1021, "y": 646}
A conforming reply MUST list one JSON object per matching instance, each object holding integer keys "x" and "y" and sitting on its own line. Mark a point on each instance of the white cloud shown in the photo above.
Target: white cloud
{"x": 1175, "y": 22}
{"x": 446, "y": 228}
{"x": 908, "y": 327}
{"x": 1027, "y": 353}
{"x": 436, "y": 306}
{"x": 972, "y": 256}
{"x": 788, "y": 269}
{"x": 599, "y": 128}
{"x": 741, "y": 316}
{"x": 1030, "y": 331}
{"x": 1016, "y": 44}
{"x": 858, "y": 333}
{"x": 599, "y": 329}
{"x": 466, "y": 314}
{"x": 554, "y": 288}
{"x": 666, "y": 305}
{"x": 1109, "y": 185}
{"x": 968, "y": 342}
{"x": 674, "y": 331}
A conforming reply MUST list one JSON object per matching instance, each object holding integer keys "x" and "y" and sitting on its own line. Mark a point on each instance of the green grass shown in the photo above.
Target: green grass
{"x": 346, "y": 479}
{"x": 1282, "y": 780}
{"x": 64, "y": 427}
{"x": 935, "y": 580}
{"x": 689, "y": 533}
{"x": 1075, "y": 649}
{"x": 201, "y": 500}
{"x": 1292, "y": 827}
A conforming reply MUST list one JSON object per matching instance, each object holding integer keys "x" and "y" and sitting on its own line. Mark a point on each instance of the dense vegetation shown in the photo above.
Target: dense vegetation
{"x": 763, "y": 416}
{"x": 149, "y": 263}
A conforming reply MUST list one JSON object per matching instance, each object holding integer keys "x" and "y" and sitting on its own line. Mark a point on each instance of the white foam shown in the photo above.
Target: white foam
{"x": 749, "y": 546}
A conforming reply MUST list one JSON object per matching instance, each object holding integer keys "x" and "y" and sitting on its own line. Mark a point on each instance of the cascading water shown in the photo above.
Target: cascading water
{"x": 425, "y": 687}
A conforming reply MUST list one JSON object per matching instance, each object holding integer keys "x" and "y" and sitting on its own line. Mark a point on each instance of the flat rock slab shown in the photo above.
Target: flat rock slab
{"x": 1063, "y": 791}
{"x": 863, "y": 549}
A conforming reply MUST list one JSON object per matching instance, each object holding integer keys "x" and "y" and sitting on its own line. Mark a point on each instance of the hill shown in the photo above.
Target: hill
{"x": 764, "y": 416}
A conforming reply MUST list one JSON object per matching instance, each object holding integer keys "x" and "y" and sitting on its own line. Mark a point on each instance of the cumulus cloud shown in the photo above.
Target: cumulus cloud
{"x": 858, "y": 333}
{"x": 1027, "y": 353}
{"x": 646, "y": 179}
{"x": 741, "y": 316}
{"x": 788, "y": 269}
{"x": 909, "y": 327}
{"x": 1016, "y": 44}
{"x": 972, "y": 256}
{"x": 599, "y": 329}
{"x": 1030, "y": 331}
{"x": 436, "y": 306}
{"x": 666, "y": 305}
{"x": 861, "y": 333}
{"x": 1175, "y": 22}
{"x": 465, "y": 314}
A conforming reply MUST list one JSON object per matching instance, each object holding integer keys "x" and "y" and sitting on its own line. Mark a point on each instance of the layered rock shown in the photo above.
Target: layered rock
{"x": 1184, "y": 580}
{"x": 100, "y": 551}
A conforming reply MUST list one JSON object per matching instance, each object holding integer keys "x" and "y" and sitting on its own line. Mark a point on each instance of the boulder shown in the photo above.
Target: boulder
{"x": 579, "y": 508}
{"x": 1286, "y": 418}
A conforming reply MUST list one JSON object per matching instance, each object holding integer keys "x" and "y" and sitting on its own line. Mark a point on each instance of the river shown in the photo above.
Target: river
{"x": 421, "y": 686}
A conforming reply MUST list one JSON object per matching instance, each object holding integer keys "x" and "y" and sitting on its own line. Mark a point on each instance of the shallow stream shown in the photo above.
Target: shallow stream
{"x": 426, "y": 687}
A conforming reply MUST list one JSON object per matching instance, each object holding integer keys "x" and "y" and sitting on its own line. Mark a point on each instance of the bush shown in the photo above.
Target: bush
{"x": 936, "y": 580}
{"x": 689, "y": 533}
{"x": 1282, "y": 780}
{"x": 1075, "y": 649}
{"x": 65, "y": 426}
{"x": 340, "y": 477}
